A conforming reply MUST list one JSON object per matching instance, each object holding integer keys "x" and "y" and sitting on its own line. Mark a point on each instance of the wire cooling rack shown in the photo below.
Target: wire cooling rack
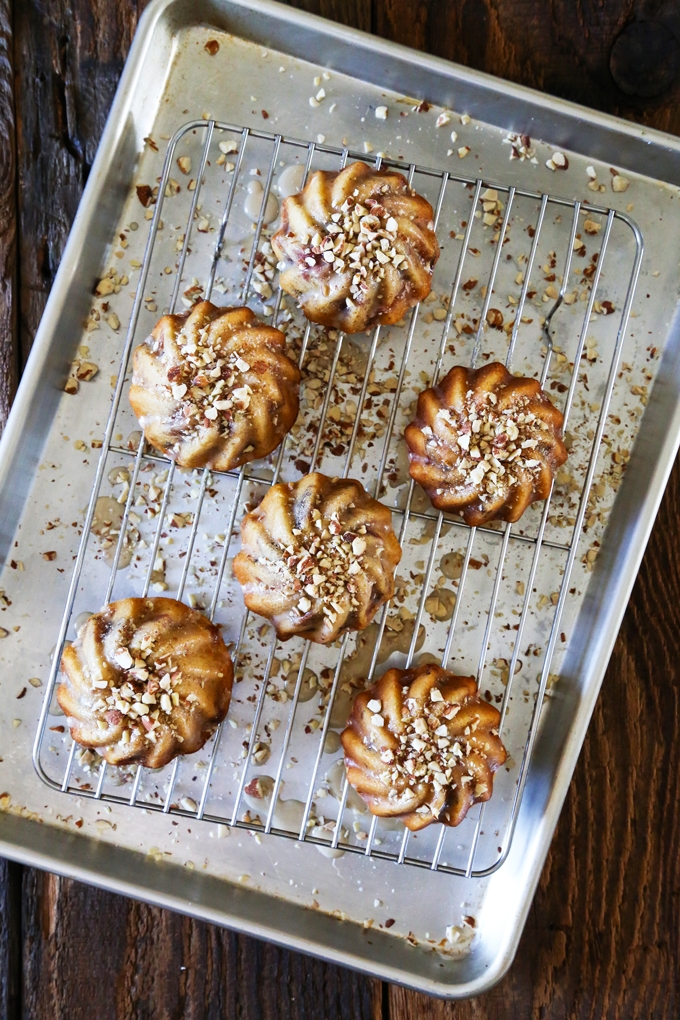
{"x": 459, "y": 588}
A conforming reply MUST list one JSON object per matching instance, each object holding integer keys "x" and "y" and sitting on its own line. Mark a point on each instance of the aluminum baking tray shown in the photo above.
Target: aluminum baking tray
{"x": 217, "y": 67}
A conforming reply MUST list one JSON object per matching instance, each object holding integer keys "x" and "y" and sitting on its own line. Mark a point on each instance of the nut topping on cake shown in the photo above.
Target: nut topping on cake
{"x": 145, "y": 680}
{"x": 485, "y": 443}
{"x": 214, "y": 387}
{"x": 318, "y": 557}
{"x": 421, "y": 745}
{"x": 356, "y": 248}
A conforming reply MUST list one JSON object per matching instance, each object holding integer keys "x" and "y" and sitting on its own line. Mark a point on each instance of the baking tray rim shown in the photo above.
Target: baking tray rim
{"x": 449, "y": 68}
{"x": 155, "y": 895}
{"x": 628, "y": 562}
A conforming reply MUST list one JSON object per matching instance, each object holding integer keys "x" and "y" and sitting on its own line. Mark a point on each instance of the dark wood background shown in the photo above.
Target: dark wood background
{"x": 602, "y": 939}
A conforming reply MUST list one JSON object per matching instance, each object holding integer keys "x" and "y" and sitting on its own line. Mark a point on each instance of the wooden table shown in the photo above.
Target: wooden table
{"x": 603, "y": 938}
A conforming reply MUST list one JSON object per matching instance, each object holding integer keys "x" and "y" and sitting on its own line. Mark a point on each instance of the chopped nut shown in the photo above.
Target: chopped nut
{"x": 86, "y": 370}
{"x": 145, "y": 196}
{"x": 104, "y": 287}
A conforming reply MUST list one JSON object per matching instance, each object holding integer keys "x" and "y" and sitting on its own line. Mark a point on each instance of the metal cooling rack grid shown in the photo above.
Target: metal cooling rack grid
{"x": 252, "y": 479}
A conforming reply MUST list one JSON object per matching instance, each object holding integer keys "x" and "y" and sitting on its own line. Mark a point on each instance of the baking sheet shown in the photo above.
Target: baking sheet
{"x": 362, "y": 890}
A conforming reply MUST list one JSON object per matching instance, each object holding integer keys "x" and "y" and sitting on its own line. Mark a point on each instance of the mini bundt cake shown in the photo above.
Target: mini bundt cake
{"x": 485, "y": 443}
{"x": 213, "y": 387}
{"x": 318, "y": 557}
{"x": 420, "y": 745}
{"x": 146, "y": 680}
{"x": 356, "y": 248}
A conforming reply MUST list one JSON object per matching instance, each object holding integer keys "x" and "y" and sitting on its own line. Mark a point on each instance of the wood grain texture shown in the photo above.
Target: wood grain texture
{"x": 88, "y": 953}
{"x": 68, "y": 58}
{"x": 560, "y": 46}
{"x": 10, "y": 940}
{"x": 356, "y": 13}
{"x": 8, "y": 359}
{"x": 603, "y": 935}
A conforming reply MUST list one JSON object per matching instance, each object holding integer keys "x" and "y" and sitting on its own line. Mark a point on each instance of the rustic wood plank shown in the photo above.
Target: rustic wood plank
{"x": 89, "y": 953}
{"x": 8, "y": 350}
{"x": 562, "y": 48}
{"x": 356, "y": 13}
{"x": 68, "y": 56}
{"x": 10, "y": 940}
{"x": 10, "y": 874}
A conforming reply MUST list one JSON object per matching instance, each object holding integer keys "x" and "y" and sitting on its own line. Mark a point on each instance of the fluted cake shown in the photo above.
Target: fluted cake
{"x": 146, "y": 680}
{"x": 485, "y": 443}
{"x": 422, "y": 746}
{"x": 318, "y": 557}
{"x": 214, "y": 387}
{"x": 356, "y": 248}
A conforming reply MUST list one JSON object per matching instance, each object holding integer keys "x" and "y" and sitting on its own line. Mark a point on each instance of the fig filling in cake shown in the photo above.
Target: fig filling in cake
{"x": 145, "y": 680}
{"x": 356, "y": 248}
{"x": 214, "y": 387}
{"x": 422, "y": 746}
{"x": 318, "y": 557}
{"x": 485, "y": 443}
